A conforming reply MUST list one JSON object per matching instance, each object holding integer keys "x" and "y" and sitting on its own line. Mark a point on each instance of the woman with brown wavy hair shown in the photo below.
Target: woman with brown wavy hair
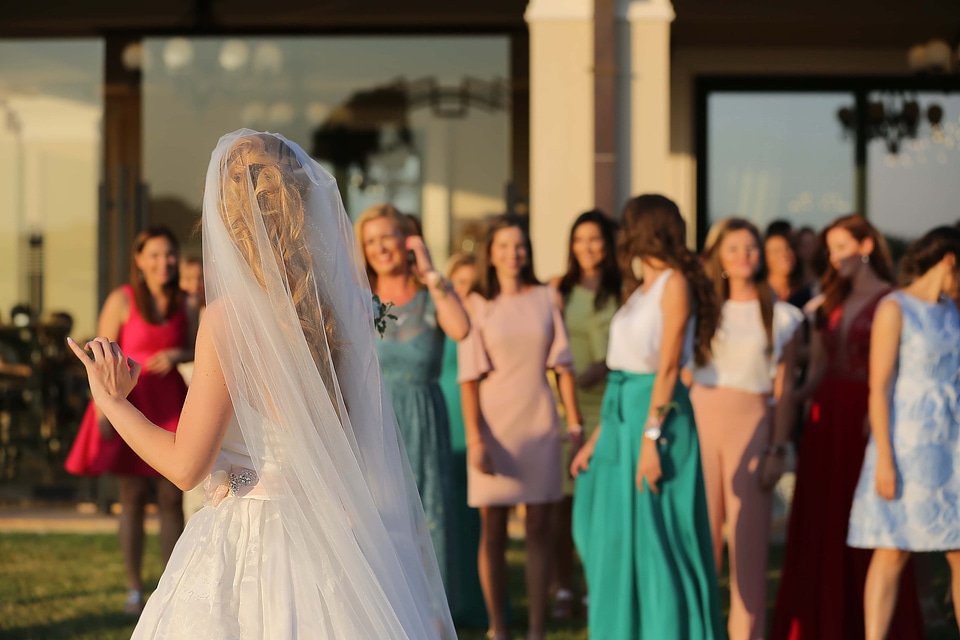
{"x": 821, "y": 590}
{"x": 154, "y": 322}
{"x": 640, "y": 516}
{"x": 743, "y": 403}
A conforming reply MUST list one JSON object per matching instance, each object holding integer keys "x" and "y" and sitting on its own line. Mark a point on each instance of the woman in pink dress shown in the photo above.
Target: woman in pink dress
{"x": 511, "y": 422}
{"x": 154, "y": 324}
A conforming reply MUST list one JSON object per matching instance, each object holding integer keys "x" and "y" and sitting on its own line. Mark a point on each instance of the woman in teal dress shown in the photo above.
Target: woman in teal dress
{"x": 411, "y": 352}
{"x": 465, "y": 594}
{"x": 640, "y": 517}
{"x": 590, "y": 292}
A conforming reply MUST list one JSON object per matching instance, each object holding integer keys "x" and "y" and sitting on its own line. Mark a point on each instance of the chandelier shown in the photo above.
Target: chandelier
{"x": 894, "y": 117}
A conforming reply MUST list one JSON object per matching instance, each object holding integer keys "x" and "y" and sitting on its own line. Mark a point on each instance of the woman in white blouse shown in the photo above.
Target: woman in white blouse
{"x": 640, "y": 518}
{"x": 744, "y": 412}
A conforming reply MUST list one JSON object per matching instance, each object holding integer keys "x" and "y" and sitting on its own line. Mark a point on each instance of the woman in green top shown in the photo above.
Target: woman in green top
{"x": 590, "y": 290}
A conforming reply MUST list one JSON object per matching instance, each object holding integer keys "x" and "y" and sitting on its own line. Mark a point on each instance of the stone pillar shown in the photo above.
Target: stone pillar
{"x": 644, "y": 96}
{"x": 561, "y": 125}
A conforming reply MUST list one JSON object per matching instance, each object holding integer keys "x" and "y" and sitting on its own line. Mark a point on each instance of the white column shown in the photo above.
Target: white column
{"x": 561, "y": 125}
{"x": 438, "y": 170}
{"x": 644, "y": 96}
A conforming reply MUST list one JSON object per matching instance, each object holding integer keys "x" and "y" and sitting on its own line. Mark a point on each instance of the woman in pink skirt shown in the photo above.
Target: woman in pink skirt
{"x": 742, "y": 401}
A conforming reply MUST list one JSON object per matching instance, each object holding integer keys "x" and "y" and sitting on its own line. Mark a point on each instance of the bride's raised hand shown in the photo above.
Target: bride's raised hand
{"x": 110, "y": 372}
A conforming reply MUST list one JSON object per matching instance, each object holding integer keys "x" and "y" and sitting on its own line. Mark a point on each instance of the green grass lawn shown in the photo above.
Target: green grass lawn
{"x": 60, "y": 586}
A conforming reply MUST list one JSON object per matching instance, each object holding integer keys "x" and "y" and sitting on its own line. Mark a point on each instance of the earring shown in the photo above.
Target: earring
{"x": 141, "y": 276}
{"x": 636, "y": 267}
{"x": 724, "y": 275}
{"x": 865, "y": 259}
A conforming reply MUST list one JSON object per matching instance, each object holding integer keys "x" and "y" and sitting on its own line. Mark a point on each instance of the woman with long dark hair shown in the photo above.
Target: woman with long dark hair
{"x": 590, "y": 290}
{"x": 640, "y": 511}
{"x": 511, "y": 422}
{"x": 821, "y": 589}
{"x": 156, "y": 324}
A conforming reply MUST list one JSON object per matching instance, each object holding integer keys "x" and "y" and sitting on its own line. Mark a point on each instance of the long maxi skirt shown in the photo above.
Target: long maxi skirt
{"x": 648, "y": 558}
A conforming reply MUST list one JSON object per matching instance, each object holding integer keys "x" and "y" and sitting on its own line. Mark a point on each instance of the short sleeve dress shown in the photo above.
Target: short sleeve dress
{"x": 513, "y": 341}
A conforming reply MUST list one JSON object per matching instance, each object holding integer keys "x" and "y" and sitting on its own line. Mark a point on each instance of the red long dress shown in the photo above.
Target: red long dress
{"x": 158, "y": 397}
{"x": 821, "y": 587}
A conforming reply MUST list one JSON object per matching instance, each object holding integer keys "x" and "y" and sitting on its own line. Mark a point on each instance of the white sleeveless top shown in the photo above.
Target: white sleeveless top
{"x": 636, "y": 331}
{"x": 740, "y": 359}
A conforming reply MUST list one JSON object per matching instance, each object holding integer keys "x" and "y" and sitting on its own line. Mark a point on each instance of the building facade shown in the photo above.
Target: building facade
{"x": 460, "y": 111}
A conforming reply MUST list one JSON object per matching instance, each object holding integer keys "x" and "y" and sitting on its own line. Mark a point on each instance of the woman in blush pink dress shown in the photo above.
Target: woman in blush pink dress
{"x": 512, "y": 427}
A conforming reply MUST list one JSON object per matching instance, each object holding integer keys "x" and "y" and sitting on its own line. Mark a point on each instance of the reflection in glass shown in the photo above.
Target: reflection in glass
{"x": 50, "y": 139}
{"x": 420, "y": 121}
{"x": 916, "y": 188}
{"x": 778, "y": 155}
{"x": 50, "y": 119}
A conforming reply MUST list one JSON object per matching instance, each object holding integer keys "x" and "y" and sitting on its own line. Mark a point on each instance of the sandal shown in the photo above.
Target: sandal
{"x": 134, "y": 603}
{"x": 562, "y": 605}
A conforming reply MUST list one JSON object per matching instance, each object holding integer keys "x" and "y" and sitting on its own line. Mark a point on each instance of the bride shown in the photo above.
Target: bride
{"x": 312, "y": 527}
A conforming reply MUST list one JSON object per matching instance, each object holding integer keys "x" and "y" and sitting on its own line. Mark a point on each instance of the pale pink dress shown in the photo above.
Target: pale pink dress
{"x": 513, "y": 341}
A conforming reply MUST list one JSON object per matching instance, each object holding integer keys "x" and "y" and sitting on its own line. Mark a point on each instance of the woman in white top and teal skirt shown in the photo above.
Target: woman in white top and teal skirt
{"x": 640, "y": 517}
{"x": 742, "y": 399}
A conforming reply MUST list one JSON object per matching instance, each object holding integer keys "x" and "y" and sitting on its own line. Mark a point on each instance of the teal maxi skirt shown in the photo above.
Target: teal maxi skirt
{"x": 648, "y": 558}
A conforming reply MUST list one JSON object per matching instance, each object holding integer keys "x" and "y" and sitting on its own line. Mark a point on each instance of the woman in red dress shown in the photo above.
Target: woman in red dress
{"x": 155, "y": 324}
{"x": 821, "y": 588}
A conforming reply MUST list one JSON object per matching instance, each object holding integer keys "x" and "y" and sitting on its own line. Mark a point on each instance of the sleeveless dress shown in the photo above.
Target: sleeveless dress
{"x": 513, "y": 341}
{"x": 820, "y": 596}
{"x": 411, "y": 354}
{"x": 232, "y": 572}
{"x": 925, "y": 433}
{"x": 465, "y": 595}
{"x": 648, "y": 559}
{"x": 158, "y": 397}
{"x": 588, "y": 330}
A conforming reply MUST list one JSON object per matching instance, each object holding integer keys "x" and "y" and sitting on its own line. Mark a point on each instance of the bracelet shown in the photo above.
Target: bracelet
{"x": 575, "y": 429}
{"x": 653, "y": 421}
{"x": 436, "y": 282}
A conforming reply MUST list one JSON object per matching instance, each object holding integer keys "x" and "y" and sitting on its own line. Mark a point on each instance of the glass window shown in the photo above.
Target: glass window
{"x": 51, "y": 108}
{"x": 422, "y": 122}
{"x": 912, "y": 181}
{"x": 778, "y": 155}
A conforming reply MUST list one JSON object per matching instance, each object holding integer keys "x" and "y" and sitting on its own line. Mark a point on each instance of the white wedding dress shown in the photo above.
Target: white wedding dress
{"x": 312, "y": 526}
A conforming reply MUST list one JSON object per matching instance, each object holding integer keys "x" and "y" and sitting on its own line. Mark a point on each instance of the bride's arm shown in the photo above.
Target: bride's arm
{"x": 187, "y": 456}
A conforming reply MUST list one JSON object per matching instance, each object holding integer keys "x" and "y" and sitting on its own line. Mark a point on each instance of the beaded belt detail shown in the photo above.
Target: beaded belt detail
{"x": 244, "y": 478}
{"x": 222, "y": 484}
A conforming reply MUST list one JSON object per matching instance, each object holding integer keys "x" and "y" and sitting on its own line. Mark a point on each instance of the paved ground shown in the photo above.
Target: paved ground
{"x": 79, "y": 519}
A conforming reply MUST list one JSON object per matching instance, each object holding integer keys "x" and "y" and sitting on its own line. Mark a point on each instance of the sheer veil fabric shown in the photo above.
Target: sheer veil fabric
{"x": 292, "y": 320}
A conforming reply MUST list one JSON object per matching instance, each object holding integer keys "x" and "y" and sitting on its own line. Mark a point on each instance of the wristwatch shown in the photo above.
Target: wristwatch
{"x": 652, "y": 429}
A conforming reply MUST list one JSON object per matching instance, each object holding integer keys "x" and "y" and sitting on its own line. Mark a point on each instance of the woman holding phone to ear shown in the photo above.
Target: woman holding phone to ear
{"x": 427, "y": 309}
